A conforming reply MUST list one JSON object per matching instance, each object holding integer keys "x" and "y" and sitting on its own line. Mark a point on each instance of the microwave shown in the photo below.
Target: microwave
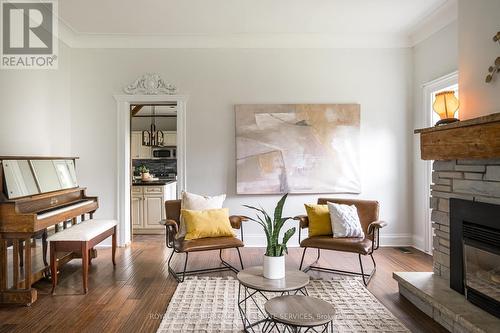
{"x": 165, "y": 152}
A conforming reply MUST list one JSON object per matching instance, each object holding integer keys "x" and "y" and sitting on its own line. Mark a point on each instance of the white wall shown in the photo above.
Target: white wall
{"x": 35, "y": 110}
{"x": 215, "y": 80}
{"x": 478, "y": 22}
{"x": 432, "y": 58}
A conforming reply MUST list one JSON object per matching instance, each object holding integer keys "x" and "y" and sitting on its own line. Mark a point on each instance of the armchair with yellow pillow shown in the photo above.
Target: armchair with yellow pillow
{"x": 346, "y": 225}
{"x": 196, "y": 230}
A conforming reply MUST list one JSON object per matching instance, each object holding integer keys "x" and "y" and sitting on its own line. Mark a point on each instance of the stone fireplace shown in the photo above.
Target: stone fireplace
{"x": 470, "y": 180}
{"x": 463, "y": 292}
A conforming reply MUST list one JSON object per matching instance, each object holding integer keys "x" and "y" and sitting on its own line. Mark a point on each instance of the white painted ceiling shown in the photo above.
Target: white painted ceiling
{"x": 155, "y": 17}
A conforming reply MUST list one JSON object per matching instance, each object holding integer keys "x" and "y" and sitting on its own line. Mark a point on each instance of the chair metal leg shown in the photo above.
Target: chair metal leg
{"x": 362, "y": 271}
{"x": 170, "y": 269}
{"x": 302, "y": 260}
{"x": 239, "y": 256}
{"x": 228, "y": 265}
{"x": 366, "y": 276}
{"x": 185, "y": 265}
{"x": 315, "y": 261}
{"x": 180, "y": 276}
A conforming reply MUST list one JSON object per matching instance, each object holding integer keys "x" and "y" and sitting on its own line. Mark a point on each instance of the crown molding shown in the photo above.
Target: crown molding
{"x": 437, "y": 20}
{"x": 239, "y": 41}
{"x": 431, "y": 23}
{"x": 231, "y": 41}
{"x": 66, "y": 33}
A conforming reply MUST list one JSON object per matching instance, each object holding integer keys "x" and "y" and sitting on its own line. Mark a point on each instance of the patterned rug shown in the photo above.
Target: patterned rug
{"x": 211, "y": 305}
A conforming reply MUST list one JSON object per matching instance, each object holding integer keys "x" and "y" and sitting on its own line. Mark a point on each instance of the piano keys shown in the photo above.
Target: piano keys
{"x": 36, "y": 193}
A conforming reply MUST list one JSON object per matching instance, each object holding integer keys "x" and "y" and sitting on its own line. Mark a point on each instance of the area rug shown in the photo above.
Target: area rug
{"x": 205, "y": 304}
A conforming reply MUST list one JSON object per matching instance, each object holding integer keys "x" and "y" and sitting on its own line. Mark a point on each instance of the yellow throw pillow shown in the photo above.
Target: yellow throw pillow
{"x": 319, "y": 220}
{"x": 207, "y": 223}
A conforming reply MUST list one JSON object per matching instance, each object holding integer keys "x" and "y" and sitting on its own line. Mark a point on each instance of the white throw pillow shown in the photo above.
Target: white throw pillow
{"x": 345, "y": 221}
{"x": 193, "y": 201}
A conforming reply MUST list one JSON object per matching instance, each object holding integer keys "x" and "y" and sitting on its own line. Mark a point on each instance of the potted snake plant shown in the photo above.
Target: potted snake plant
{"x": 274, "y": 258}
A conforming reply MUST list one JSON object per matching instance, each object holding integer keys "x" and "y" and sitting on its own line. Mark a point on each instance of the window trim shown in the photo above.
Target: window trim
{"x": 427, "y": 89}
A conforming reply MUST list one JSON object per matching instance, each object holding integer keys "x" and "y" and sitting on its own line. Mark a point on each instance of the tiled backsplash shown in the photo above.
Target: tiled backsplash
{"x": 157, "y": 167}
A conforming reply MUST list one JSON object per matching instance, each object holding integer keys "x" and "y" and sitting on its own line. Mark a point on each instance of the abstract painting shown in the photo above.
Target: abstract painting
{"x": 297, "y": 148}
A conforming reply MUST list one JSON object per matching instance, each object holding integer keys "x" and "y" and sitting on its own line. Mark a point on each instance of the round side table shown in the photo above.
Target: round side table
{"x": 253, "y": 284}
{"x": 298, "y": 313}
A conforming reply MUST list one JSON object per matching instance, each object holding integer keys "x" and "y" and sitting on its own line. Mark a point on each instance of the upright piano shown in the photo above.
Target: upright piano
{"x": 36, "y": 193}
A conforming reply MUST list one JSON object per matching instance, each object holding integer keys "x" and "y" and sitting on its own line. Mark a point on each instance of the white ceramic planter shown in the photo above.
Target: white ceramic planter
{"x": 274, "y": 267}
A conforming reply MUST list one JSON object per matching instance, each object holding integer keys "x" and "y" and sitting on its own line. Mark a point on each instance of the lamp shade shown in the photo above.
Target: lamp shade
{"x": 446, "y": 104}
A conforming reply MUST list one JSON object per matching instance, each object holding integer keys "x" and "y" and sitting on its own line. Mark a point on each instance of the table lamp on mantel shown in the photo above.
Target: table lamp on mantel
{"x": 445, "y": 105}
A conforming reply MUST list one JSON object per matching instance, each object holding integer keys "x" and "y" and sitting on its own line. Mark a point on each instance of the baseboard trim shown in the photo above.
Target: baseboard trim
{"x": 387, "y": 240}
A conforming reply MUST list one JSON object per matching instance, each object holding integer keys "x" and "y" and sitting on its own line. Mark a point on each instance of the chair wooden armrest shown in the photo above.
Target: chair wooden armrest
{"x": 236, "y": 220}
{"x": 171, "y": 229}
{"x": 303, "y": 221}
{"x": 170, "y": 224}
{"x": 375, "y": 225}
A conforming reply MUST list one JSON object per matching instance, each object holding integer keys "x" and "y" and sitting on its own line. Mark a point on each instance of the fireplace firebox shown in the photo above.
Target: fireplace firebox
{"x": 475, "y": 252}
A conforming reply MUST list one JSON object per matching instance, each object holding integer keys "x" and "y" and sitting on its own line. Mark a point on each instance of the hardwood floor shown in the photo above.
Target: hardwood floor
{"x": 134, "y": 296}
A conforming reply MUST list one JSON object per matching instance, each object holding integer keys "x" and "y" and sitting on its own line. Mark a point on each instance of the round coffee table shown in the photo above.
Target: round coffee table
{"x": 253, "y": 284}
{"x": 297, "y": 312}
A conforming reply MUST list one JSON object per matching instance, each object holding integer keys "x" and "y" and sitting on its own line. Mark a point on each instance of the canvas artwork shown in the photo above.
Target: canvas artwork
{"x": 297, "y": 148}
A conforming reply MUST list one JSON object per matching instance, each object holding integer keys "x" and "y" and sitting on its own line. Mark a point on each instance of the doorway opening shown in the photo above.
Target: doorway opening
{"x": 153, "y": 163}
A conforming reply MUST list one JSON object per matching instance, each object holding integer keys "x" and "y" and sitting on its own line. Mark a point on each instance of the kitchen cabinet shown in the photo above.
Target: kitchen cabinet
{"x": 137, "y": 150}
{"x": 153, "y": 211}
{"x": 148, "y": 207}
{"x": 169, "y": 138}
{"x": 136, "y": 213}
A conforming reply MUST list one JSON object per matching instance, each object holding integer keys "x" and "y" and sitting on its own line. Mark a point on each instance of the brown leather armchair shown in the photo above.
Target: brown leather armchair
{"x": 171, "y": 223}
{"x": 368, "y": 216}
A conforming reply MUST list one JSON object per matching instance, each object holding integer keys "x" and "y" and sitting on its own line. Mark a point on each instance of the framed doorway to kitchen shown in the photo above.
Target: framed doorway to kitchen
{"x": 124, "y": 177}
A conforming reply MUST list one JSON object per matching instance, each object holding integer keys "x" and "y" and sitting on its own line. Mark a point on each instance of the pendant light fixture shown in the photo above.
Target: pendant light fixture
{"x": 153, "y": 137}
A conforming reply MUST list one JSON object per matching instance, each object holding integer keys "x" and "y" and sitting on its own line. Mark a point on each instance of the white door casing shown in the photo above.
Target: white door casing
{"x": 123, "y": 103}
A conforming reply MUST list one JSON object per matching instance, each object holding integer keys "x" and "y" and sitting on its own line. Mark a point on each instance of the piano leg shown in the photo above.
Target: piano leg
{"x": 16, "y": 255}
{"x": 3, "y": 265}
{"x": 15, "y": 293}
{"x": 44, "y": 247}
{"x": 21, "y": 251}
{"x": 53, "y": 268}
{"x": 27, "y": 259}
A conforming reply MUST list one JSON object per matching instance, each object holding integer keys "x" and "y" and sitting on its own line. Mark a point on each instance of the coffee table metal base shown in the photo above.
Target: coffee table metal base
{"x": 250, "y": 295}
{"x": 282, "y": 328}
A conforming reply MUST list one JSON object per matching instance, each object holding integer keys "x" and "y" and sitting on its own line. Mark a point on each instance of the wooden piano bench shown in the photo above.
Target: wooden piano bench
{"x": 80, "y": 239}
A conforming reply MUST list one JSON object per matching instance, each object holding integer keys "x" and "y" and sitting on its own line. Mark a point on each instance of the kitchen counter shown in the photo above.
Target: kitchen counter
{"x": 153, "y": 183}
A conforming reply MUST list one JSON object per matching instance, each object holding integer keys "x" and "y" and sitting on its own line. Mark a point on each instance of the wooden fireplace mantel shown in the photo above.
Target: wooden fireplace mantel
{"x": 477, "y": 138}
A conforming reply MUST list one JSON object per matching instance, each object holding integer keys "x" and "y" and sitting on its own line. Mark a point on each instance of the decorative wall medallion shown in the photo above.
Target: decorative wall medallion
{"x": 150, "y": 84}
